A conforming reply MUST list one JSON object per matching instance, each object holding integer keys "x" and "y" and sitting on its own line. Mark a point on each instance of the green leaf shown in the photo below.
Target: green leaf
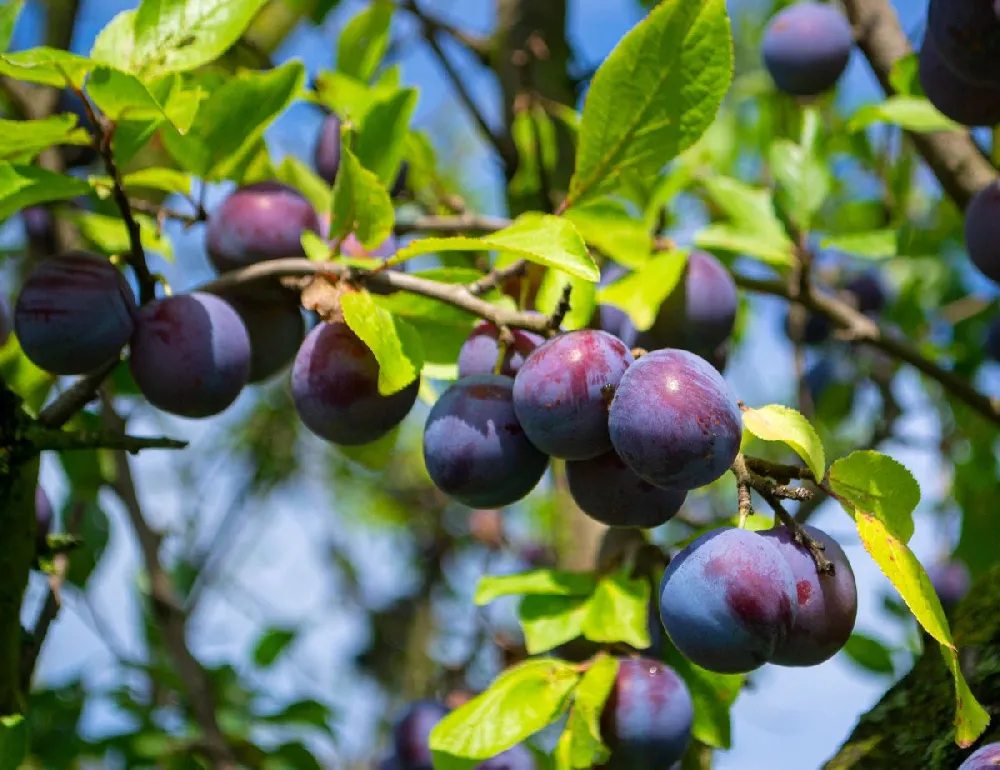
{"x": 549, "y": 582}
{"x": 9, "y": 12}
{"x": 110, "y": 234}
{"x": 867, "y": 482}
{"x": 582, "y": 298}
{"x": 779, "y": 423}
{"x": 360, "y": 203}
{"x": 910, "y": 579}
{"x": 382, "y": 137}
{"x": 13, "y": 741}
{"x": 730, "y": 239}
{"x": 169, "y": 180}
{"x": 394, "y": 342}
{"x": 163, "y": 36}
{"x": 24, "y": 139}
{"x": 869, "y": 653}
{"x": 302, "y": 712}
{"x": 713, "y": 696}
{"x": 803, "y": 182}
{"x": 654, "y": 96}
{"x": 911, "y": 113}
{"x": 581, "y": 746}
{"x": 297, "y": 174}
{"x": 641, "y": 292}
{"x": 230, "y": 123}
{"x": 94, "y": 536}
{"x": 618, "y": 612}
{"x": 520, "y": 702}
{"x": 349, "y": 97}
{"x": 875, "y": 244}
{"x": 364, "y": 40}
{"x": 46, "y": 66}
{"x": 22, "y": 376}
{"x": 271, "y": 644}
{"x": 22, "y": 186}
{"x": 541, "y": 238}
{"x": 753, "y": 226}
{"x": 535, "y": 139}
{"x": 608, "y": 227}
{"x": 548, "y": 621}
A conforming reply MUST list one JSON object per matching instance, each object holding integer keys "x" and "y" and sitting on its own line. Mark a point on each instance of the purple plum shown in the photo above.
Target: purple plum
{"x": 276, "y": 330}
{"x": 951, "y": 581}
{"x": 806, "y": 47}
{"x": 985, "y": 758}
{"x": 327, "y": 157}
{"x": 412, "y": 732}
{"x": 982, "y": 231}
{"x": 965, "y": 102}
{"x": 481, "y": 351}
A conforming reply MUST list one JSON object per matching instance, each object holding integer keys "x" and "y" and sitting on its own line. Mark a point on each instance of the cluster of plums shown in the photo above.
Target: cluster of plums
{"x": 646, "y": 723}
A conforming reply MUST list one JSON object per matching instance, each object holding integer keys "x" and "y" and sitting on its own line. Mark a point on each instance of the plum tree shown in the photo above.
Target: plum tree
{"x": 951, "y": 581}
{"x": 827, "y": 604}
{"x": 276, "y": 330}
{"x": 965, "y": 102}
{"x": 982, "y": 231}
{"x": 608, "y": 490}
{"x": 260, "y": 221}
{"x": 44, "y": 516}
{"x": 984, "y": 758}
{"x": 411, "y": 734}
{"x": 475, "y": 449}
{"x": 967, "y": 35}
{"x": 728, "y": 600}
{"x": 699, "y": 314}
{"x": 335, "y": 388}
{"x": 327, "y": 155}
{"x": 674, "y": 421}
{"x": 75, "y": 313}
{"x": 561, "y": 392}
{"x": 481, "y": 351}
{"x": 190, "y": 354}
{"x": 647, "y": 719}
{"x": 806, "y": 47}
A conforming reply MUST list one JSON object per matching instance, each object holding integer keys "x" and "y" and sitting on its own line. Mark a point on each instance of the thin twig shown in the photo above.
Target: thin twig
{"x": 478, "y": 46}
{"x": 816, "y": 549}
{"x": 44, "y": 439}
{"x": 496, "y": 278}
{"x": 74, "y": 398}
{"x": 559, "y": 314}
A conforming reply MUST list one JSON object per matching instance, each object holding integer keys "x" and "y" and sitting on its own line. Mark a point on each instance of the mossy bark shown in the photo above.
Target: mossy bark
{"x": 913, "y": 725}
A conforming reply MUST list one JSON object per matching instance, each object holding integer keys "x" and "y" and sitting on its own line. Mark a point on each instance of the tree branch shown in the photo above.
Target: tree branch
{"x": 74, "y": 398}
{"x": 478, "y": 46}
{"x": 953, "y": 156}
{"x": 44, "y": 439}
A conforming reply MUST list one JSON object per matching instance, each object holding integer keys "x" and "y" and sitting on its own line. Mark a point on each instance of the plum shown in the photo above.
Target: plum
{"x": 561, "y": 392}
{"x": 351, "y": 247}
{"x": 481, "y": 351}
{"x": 816, "y": 330}
{"x": 5, "y": 322}
{"x": 615, "y": 321}
{"x": 827, "y": 604}
{"x": 819, "y": 377}
{"x": 728, "y": 600}
{"x": 806, "y": 47}
{"x": 475, "y": 449}
{"x": 965, "y": 102}
{"x": 190, "y": 354}
{"x": 44, "y": 516}
{"x": 982, "y": 231}
{"x": 412, "y": 733}
{"x": 276, "y": 330}
{"x": 517, "y": 757}
{"x": 327, "y": 156}
{"x": 867, "y": 291}
{"x": 993, "y": 339}
{"x": 985, "y": 758}
{"x": 951, "y": 581}
{"x": 389, "y": 763}
{"x": 261, "y": 221}
{"x": 674, "y": 421}
{"x": 647, "y": 718}
{"x": 700, "y": 313}
{"x": 74, "y": 314}
{"x": 40, "y": 229}
{"x": 967, "y": 35}
{"x": 608, "y": 490}
{"x": 335, "y": 388}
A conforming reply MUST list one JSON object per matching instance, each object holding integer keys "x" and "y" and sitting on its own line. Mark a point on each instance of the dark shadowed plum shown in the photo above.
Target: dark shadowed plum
{"x": 982, "y": 231}
{"x": 190, "y": 354}
{"x": 40, "y": 229}
{"x": 985, "y": 758}
{"x": 608, "y": 490}
{"x": 699, "y": 314}
{"x": 615, "y": 321}
{"x": 5, "y": 321}
{"x": 561, "y": 392}
{"x": 327, "y": 157}
{"x": 399, "y": 185}
{"x": 412, "y": 732}
{"x": 867, "y": 291}
{"x": 728, "y": 600}
{"x": 351, "y": 247}
{"x": 261, "y": 221}
{"x": 276, "y": 331}
{"x": 389, "y": 763}
{"x": 517, "y": 757}
{"x": 965, "y": 102}
{"x": 806, "y": 48}
{"x": 74, "y": 314}
{"x": 967, "y": 35}
{"x": 475, "y": 449}
{"x": 647, "y": 718}
{"x": 44, "y": 516}
{"x": 816, "y": 329}
{"x": 335, "y": 388}
{"x": 674, "y": 420}
{"x": 827, "y": 604}
{"x": 951, "y": 581}
{"x": 993, "y": 339}
{"x": 819, "y": 377}
{"x": 481, "y": 351}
